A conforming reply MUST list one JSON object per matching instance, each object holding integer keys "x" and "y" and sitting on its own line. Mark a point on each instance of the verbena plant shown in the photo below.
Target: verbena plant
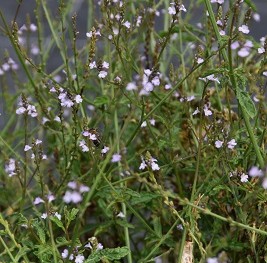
{"x": 145, "y": 143}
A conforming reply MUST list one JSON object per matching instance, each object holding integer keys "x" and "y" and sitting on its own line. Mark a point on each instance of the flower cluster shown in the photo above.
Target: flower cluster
{"x": 26, "y": 108}
{"x": 101, "y": 67}
{"x": 151, "y": 162}
{"x": 10, "y": 167}
{"x": 9, "y": 65}
{"x": 231, "y": 144}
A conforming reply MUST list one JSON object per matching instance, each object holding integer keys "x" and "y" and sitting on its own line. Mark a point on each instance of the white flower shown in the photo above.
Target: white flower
{"x": 171, "y": 10}
{"x": 79, "y": 258}
{"x": 65, "y": 253}
{"x": 264, "y": 183}
{"x": 121, "y": 215}
{"x": 105, "y": 65}
{"x": 244, "y": 178}
{"x": 255, "y": 172}
{"x": 231, "y": 144}
{"x": 261, "y": 50}
{"x": 256, "y": 17}
{"x": 142, "y": 165}
{"x": 200, "y": 60}
{"x": 44, "y": 216}
{"x": 182, "y": 8}
{"x": 207, "y": 111}
{"x": 212, "y": 260}
{"x": 27, "y": 148}
{"x": 156, "y": 81}
{"x": 78, "y": 99}
{"x": 127, "y": 24}
{"x": 92, "y": 65}
{"x": 102, "y": 74}
{"x": 10, "y": 167}
{"x": 196, "y": 111}
{"x": 244, "y": 29}
{"x": 152, "y": 122}
{"x": 154, "y": 166}
{"x": 116, "y": 158}
{"x": 144, "y": 124}
{"x": 105, "y": 150}
{"x": 218, "y": 144}
{"x": 264, "y": 73}
{"x": 57, "y": 215}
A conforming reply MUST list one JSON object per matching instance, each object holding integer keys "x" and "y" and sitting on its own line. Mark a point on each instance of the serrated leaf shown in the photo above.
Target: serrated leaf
{"x": 108, "y": 253}
{"x": 70, "y": 215}
{"x": 145, "y": 197}
{"x": 246, "y": 103}
{"x": 101, "y": 100}
{"x": 124, "y": 223}
{"x": 39, "y": 229}
{"x": 22, "y": 251}
{"x": 57, "y": 222}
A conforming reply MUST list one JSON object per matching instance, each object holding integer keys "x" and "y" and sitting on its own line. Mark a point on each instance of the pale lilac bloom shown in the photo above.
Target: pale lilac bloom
{"x": 264, "y": 73}
{"x": 72, "y": 185}
{"x": 38, "y": 200}
{"x": 116, "y": 158}
{"x": 235, "y": 45}
{"x": 131, "y": 86}
{"x": 84, "y": 189}
{"x": 127, "y": 24}
{"x": 50, "y": 197}
{"x": 218, "y": 144}
{"x": 99, "y": 246}
{"x": 231, "y": 144}
{"x": 102, "y": 74}
{"x": 222, "y": 32}
{"x": 207, "y": 111}
{"x": 38, "y": 142}
{"x": 243, "y": 52}
{"x": 244, "y": 29}
{"x": 212, "y": 260}
{"x": 255, "y": 172}
{"x": 143, "y": 165}
{"x": 72, "y": 197}
{"x": 152, "y": 122}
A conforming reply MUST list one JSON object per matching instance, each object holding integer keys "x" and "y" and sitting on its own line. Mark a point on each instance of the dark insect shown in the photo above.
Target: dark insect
{"x": 96, "y": 142}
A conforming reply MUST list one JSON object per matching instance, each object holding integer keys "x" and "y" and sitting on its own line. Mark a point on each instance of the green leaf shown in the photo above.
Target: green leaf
{"x": 145, "y": 197}
{"x": 157, "y": 226}
{"x": 99, "y": 101}
{"x": 108, "y": 253}
{"x": 252, "y": 5}
{"x": 22, "y": 251}
{"x": 246, "y": 103}
{"x": 57, "y": 222}
{"x": 39, "y": 229}
{"x": 70, "y": 215}
{"x": 124, "y": 223}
